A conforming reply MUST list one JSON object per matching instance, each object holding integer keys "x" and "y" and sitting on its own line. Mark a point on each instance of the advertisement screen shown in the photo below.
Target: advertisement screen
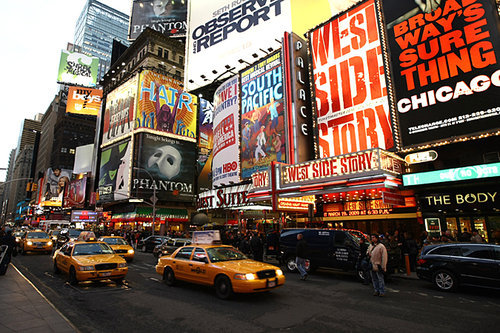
{"x": 75, "y": 194}
{"x": 55, "y": 182}
{"x": 165, "y": 16}
{"x": 262, "y": 115}
{"x": 77, "y": 68}
{"x": 226, "y": 162}
{"x": 349, "y": 83}
{"x": 166, "y": 164}
{"x": 119, "y": 113}
{"x": 227, "y": 31}
{"x": 174, "y": 111}
{"x": 205, "y": 145}
{"x": 114, "y": 172}
{"x": 445, "y": 63}
{"x": 85, "y": 101}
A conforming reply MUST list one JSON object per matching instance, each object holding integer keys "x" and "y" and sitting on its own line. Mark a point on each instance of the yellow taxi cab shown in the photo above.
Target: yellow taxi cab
{"x": 120, "y": 246}
{"x": 89, "y": 261}
{"x": 35, "y": 241}
{"x": 221, "y": 266}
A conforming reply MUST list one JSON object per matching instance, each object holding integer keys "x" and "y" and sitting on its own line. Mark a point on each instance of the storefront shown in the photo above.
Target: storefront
{"x": 141, "y": 219}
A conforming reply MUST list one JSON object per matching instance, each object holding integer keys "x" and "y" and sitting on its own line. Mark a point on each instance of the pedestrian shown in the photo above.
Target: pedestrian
{"x": 257, "y": 247}
{"x": 300, "y": 260}
{"x": 378, "y": 261}
{"x": 363, "y": 260}
{"x": 10, "y": 242}
{"x": 476, "y": 237}
{"x": 465, "y": 236}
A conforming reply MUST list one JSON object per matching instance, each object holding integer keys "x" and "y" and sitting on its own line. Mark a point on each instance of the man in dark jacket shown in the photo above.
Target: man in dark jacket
{"x": 10, "y": 241}
{"x": 300, "y": 260}
{"x": 257, "y": 247}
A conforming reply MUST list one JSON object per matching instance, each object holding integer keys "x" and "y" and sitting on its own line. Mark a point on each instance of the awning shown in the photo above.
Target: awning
{"x": 145, "y": 214}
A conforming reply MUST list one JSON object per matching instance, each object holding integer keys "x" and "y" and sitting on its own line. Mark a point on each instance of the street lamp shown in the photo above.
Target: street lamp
{"x": 153, "y": 200}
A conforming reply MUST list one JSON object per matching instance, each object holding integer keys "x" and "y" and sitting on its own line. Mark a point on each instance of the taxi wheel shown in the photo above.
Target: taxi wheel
{"x": 169, "y": 276}
{"x": 56, "y": 269}
{"x": 223, "y": 287}
{"x": 72, "y": 276}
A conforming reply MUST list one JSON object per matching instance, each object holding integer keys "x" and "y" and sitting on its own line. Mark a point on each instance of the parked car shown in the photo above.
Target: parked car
{"x": 148, "y": 244}
{"x": 67, "y": 235}
{"x": 169, "y": 246}
{"x": 451, "y": 265}
{"x": 332, "y": 248}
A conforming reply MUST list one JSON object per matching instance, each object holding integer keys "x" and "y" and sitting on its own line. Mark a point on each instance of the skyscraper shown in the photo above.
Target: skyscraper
{"x": 95, "y": 30}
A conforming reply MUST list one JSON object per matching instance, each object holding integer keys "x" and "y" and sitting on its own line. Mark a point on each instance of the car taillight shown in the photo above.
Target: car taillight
{"x": 421, "y": 262}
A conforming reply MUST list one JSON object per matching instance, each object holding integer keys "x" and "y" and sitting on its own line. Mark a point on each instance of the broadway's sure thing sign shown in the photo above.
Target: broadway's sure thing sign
{"x": 349, "y": 83}
{"x": 445, "y": 67}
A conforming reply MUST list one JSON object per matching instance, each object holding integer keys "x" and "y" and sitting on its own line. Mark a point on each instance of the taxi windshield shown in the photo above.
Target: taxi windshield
{"x": 74, "y": 232}
{"x": 37, "y": 235}
{"x": 217, "y": 254}
{"x": 115, "y": 241}
{"x": 55, "y": 232}
{"x": 91, "y": 249}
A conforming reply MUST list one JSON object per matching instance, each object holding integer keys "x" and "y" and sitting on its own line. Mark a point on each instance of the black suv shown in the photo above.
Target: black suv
{"x": 326, "y": 248}
{"x": 148, "y": 244}
{"x": 451, "y": 265}
{"x": 66, "y": 235}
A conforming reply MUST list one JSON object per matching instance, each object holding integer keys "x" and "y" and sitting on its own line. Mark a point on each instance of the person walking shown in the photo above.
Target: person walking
{"x": 300, "y": 260}
{"x": 378, "y": 260}
{"x": 363, "y": 260}
{"x": 257, "y": 247}
{"x": 476, "y": 237}
{"x": 10, "y": 242}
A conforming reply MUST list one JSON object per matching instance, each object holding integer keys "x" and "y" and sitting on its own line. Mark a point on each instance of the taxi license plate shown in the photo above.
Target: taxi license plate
{"x": 271, "y": 284}
{"x": 105, "y": 274}
{"x": 39, "y": 246}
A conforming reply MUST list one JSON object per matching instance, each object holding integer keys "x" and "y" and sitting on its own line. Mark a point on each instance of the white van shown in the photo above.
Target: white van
{"x": 53, "y": 224}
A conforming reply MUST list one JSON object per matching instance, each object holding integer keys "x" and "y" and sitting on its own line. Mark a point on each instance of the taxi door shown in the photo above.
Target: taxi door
{"x": 64, "y": 258}
{"x": 181, "y": 263}
{"x": 197, "y": 267}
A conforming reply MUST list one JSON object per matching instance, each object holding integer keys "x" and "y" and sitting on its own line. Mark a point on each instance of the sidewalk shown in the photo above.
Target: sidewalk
{"x": 24, "y": 309}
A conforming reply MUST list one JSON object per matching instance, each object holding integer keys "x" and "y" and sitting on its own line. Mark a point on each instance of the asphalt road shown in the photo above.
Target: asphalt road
{"x": 326, "y": 302}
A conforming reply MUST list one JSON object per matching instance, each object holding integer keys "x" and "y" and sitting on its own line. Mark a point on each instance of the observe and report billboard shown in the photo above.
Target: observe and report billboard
{"x": 78, "y": 69}
{"x": 445, "y": 67}
{"x": 352, "y": 106}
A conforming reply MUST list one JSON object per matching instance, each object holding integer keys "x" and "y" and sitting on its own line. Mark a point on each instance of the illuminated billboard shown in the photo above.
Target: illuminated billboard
{"x": 352, "y": 106}
{"x": 114, "y": 172}
{"x": 119, "y": 113}
{"x": 174, "y": 111}
{"x": 165, "y": 165}
{"x": 75, "y": 194}
{"x": 445, "y": 63}
{"x": 262, "y": 115}
{"x": 205, "y": 145}
{"x": 86, "y": 101}
{"x": 226, "y": 162}
{"x": 165, "y": 16}
{"x": 226, "y": 31}
{"x": 78, "y": 69}
{"x": 54, "y": 183}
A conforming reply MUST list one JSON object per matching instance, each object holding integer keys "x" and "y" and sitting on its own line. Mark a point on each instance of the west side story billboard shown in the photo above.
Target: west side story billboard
{"x": 445, "y": 63}
{"x": 352, "y": 106}
{"x": 165, "y": 16}
{"x": 226, "y": 162}
{"x": 226, "y": 31}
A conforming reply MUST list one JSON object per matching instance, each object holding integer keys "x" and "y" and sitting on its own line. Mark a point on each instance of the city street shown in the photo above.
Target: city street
{"x": 326, "y": 302}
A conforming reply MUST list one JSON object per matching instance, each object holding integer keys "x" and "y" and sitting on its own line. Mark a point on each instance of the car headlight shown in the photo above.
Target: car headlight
{"x": 29, "y": 243}
{"x": 18, "y": 239}
{"x": 279, "y": 272}
{"x": 248, "y": 276}
{"x": 123, "y": 264}
{"x": 130, "y": 251}
{"x": 86, "y": 268}
{"x": 49, "y": 243}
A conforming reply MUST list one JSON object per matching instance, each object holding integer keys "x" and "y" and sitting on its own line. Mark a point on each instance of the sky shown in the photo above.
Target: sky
{"x": 32, "y": 35}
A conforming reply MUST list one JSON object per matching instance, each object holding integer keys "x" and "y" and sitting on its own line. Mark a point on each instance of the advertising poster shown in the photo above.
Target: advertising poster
{"x": 445, "y": 63}
{"x": 349, "y": 83}
{"x": 78, "y": 69}
{"x": 262, "y": 115}
{"x": 114, "y": 172}
{"x": 164, "y": 106}
{"x": 166, "y": 164}
{"x": 84, "y": 101}
{"x": 165, "y": 16}
{"x": 75, "y": 194}
{"x": 119, "y": 113}
{"x": 205, "y": 145}
{"x": 55, "y": 181}
{"x": 226, "y": 162}
{"x": 227, "y": 31}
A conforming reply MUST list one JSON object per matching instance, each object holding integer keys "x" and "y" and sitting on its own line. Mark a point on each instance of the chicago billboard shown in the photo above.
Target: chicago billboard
{"x": 226, "y": 162}
{"x": 114, "y": 172}
{"x": 78, "y": 69}
{"x": 262, "y": 115}
{"x": 349, "y": 83}
{"x": 445, "y": 63}
{"x": 164, "y": 106}
{"x": 119, "y": 113}
{"x": 165, "y": 16}
{"x": 85, "y": 101}
{"x": 166, "y": 164}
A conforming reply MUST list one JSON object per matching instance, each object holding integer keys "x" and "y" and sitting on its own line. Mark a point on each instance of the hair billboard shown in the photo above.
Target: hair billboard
{"x": 119, "y": 113}
{"x": 445, "y": 63}
{"x": 77, "y": 68}
{"x": 114, "y": 172}
{"x": 226, "y": 162}
{"x": 85, "y": 101}
{"x": 349, "y": 83}
{"x": 164, "y": 106}
{"x": 262, "y": 115}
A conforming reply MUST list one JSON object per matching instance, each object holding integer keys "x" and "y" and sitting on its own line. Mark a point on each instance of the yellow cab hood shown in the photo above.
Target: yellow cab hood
{"x": 36, "y": 240}
{"x": 98, "y": 259}
{"x": 121, "y": 247}
{"x": 244, "y": 266}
